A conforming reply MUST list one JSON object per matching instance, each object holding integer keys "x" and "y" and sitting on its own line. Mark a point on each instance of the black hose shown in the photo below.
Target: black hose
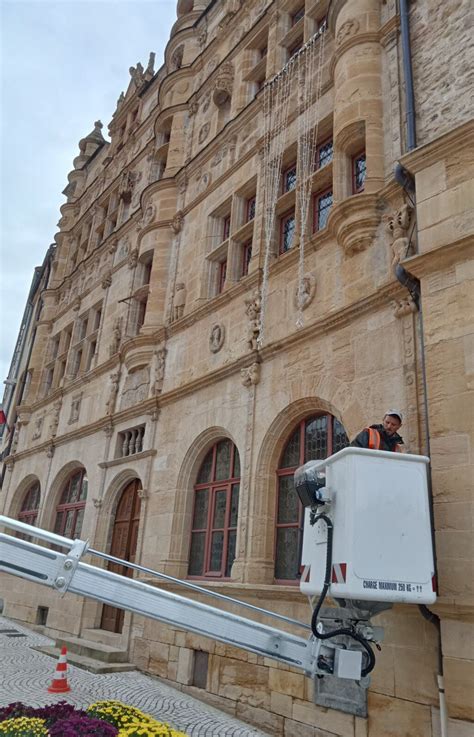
{"x": 343, "y": 630}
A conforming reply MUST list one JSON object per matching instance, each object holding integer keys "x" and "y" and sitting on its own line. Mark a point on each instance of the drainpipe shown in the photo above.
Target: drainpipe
{"x": 406, "y": 180}
{"x": 408, "y": 74}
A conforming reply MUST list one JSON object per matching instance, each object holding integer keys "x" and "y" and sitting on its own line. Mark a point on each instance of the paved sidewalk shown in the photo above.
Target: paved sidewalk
{"x": 25, "y": 675}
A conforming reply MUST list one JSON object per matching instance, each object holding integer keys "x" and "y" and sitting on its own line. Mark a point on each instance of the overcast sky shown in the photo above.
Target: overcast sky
{"x": 63, "y": 66}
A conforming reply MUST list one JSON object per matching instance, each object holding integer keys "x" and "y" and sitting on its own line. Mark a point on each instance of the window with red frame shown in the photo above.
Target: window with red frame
{"x": 287, "y": 231}
{"x": 215, "y": 513}
{"x": 322, "y": 207}
{"x": 289, "y": 179}
{"x": 250, "y": 209}
{"x": 221, "y": 276}
{"x": 315, "y": 438}
{"x": 359, "y": 170}
{"x": 297, "y": 16}
{"x": 226, "y": 228}
{"x": 324, "y": 154}
{"x": 70, "y": 510}
{"x": 246, "y": 256}
{"x": 29, "y": 509}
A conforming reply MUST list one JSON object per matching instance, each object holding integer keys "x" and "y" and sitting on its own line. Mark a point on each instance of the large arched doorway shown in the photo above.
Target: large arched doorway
{"x": 124, "y": 545}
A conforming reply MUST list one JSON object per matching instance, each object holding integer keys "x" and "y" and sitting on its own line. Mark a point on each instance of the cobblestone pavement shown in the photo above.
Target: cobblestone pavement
{"x": 25, "y": 675}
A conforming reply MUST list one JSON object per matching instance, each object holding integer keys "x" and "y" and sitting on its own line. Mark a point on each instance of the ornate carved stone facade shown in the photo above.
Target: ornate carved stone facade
{"x": 148, "y": 317}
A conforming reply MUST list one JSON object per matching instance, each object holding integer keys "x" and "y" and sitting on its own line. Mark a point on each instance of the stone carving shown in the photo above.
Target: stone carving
{"x": 251, "y": 374}
{"x": 177, "y": 222}
{"x": 308, "y": 290}
{"x": 137, "y": 74}
{"x": 133, "y": 258}
{"x": 142, "y": 494}
{"x": 177, "y": 58}
{"x": 398, "y": 226}
{"x": 120, "y": 100}
{"x": 160, "y": 363}
{"x": 123, "y": 249}
{"x": 106, "y": 280}
{"x": 113, "y": 246}
{"x": 53, "y": 426}
{"x": 116, "y": 337}
{"x": 182, "y": 184}
{"x": 349, "y": 28}
{"x": 148, "y": 215}
{"x": 231, "y": 7}
{"x": 204, "y": 132}
{"x": 206, "y": 102}
{"x": 136, "y": 387}
{"x": 193, "y": 108}
{"x": 216, "y": 338}
{"x": 16, "y": 437}
{"x": 202, "y": 37}
{"x": 97, "y": 503}
{"x": 75, "y": 408}
{"x": 179, "y": 300}
{"x": 405, "y": 306}
{"x": 127, "y": 183}
{"x": 223, "y": 85}
{"x": 38, "y": 428}
{"x": 113, "y": 391}
{"x": 253, "y": 310}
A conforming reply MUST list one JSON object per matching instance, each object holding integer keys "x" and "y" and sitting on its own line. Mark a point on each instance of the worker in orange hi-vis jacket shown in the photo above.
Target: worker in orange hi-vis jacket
{"x": 384, "y": 436}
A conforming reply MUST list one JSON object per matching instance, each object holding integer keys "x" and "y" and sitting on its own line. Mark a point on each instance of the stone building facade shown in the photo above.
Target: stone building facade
{"x": 185, "y": 359}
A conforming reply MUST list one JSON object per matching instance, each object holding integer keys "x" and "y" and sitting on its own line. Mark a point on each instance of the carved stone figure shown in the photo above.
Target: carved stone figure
{"x": 349, "y": 28}
{"x": 160, "y": 364}
{"x": 398, "y": 226}
{"x": 137, "y": 75}
{"x": 106, "y": 280}
{"x": 177, "y": 222}
{"x": 223, "y": 85}
{"x": 216, "y": 338}
{"x": 133, "y": 258}
{"x": 251, "y": 374}
{"x": 113, "y": 391}
{"x": 148, "y": 215}
{"x": 75, "y": 408}
{"x": 204, "y": 132}
{"x": 38, "y": 428}
{"x": 53, "y": 427}
{"x": 308, "y": 290}
{"x": 405, "y": 306}
{"x": 179, "y": 300}
{"x": 116, "y": 336}
{"x": 253, "y": 309}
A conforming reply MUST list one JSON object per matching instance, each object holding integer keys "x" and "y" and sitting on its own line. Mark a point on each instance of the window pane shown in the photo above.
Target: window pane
{"x": 236, "y": 464}
{"x": 31, "y": 500}
{"x": 291, "y": 456}
{"x": 69, "y": 523}
{"x": 324, "y": 208}
{"x": 196, "y": 555}
{"x": 231, "y": 540}
{"x": 286, "y": 564}
{"x": 223, "y": 460}
{"x": 205, "y": 471}
{"x": 78, "y": 524}
{"x": 234, "y": 505}
{"x": 58, "y": 525}
{"x": 84, "y": 487}
{"x": 289, "y": 178}
{"x": 359, "y": 172}
{"x": 325, "y": 154}
{"x": 219, "y": 508}
{"x": 288, "y": 502}
{"x": 316, "y": 439}
{"x": 201, "y": 501}
{"x": 72, "y": 494}
{"x": 289, "y": 225}
{"x": 217, "y": 547}
{"x": 339, "y": 437}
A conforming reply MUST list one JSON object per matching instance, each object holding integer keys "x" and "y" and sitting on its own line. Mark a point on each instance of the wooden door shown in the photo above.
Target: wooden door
{"x": 124, "y": 545}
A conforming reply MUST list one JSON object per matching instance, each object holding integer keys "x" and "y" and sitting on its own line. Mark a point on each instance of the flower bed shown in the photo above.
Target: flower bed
{"x": 101, "y": 719}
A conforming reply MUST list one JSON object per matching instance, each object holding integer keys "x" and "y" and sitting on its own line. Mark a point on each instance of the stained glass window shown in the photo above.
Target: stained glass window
{"x": 289, "y": 178}
{"x": 322, "y": 208}
{"x": 30, "y": 507}
{"x": 215, "y": 514}
{"x": 288, "y": 224}
{"x": 324, "y": 154}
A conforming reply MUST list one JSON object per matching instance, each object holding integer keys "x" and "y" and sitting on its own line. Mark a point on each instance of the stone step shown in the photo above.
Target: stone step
{"x": 86, "y": 663}
{"x": 113, "y": 639}
{"x": 91, "y": 649}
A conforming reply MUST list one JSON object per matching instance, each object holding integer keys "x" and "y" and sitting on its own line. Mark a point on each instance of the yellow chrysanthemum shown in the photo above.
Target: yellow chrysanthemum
{"x": 23, "y": 727}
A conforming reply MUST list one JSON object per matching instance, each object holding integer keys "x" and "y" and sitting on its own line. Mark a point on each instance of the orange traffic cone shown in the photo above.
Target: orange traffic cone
{"x": 59, "y": 683}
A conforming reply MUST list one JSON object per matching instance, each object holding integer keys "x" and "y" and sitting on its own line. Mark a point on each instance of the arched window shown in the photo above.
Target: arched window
{"x": 315, "y": 438}
{"x": 29, "y": 509}
{"x": 70, "y": 510}
{"x": 216, "y": 506}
